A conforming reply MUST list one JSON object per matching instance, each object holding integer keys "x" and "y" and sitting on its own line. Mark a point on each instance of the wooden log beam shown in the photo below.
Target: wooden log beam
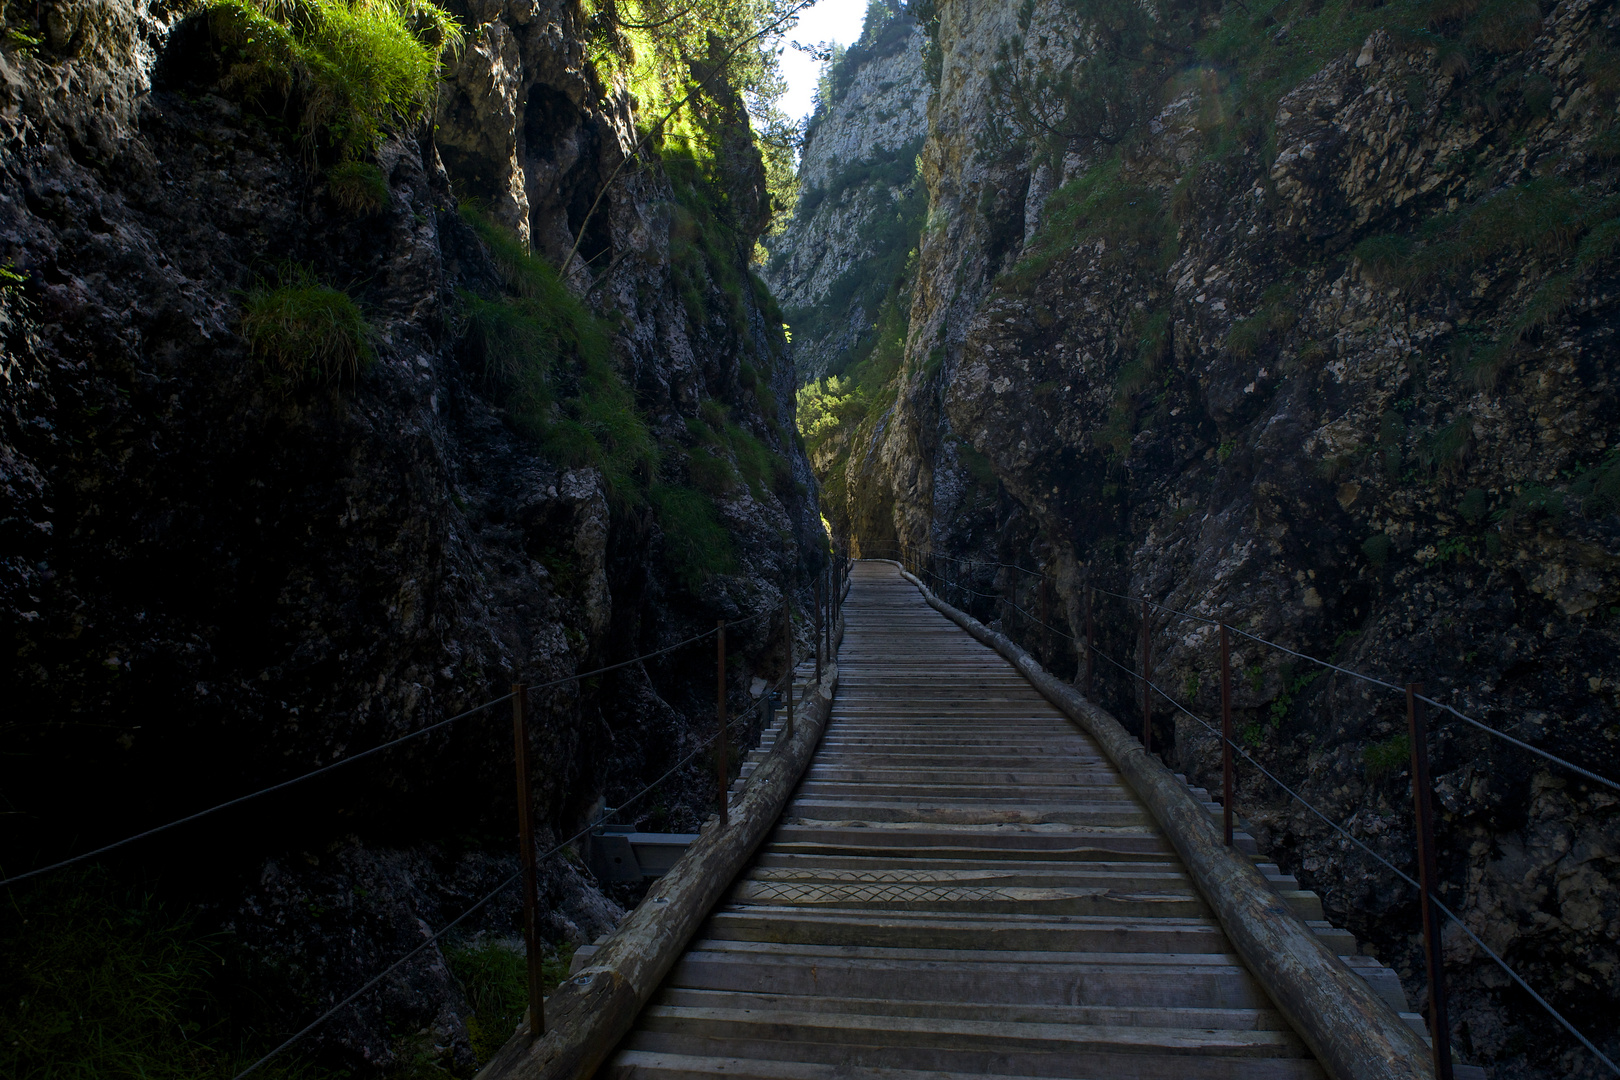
{"x": 589, "y": 1013}
{"x": 1352, "y": 1032}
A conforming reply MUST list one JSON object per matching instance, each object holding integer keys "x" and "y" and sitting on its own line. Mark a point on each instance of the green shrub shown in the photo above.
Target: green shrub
{"x": 1385, "y": 758}
{"x": 551, "y": 359}
{"x": 495, "y": 978}
{"x": 356, "y": 67}
{"x": 1474, "y": 504}
{"x": 1376, "y": 548}
{"x": 697, "y": 545}
{"x": 1447, "y": 449}
{"x": 305, "y": 330}
{"x": 357, "y": 187}
{"x": 98, "y": 981}
{"x": 1291, "y": 690}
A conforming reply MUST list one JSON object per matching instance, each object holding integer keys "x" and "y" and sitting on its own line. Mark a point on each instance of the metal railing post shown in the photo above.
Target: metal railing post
{"x": 1226, "y": 732}
{"x": 1046, "y": 622}
{"x": 531, "y": 896}
{"x": 818, "y": 631}
{"x": 787, "y": 631}
{"x": 721, "y": 746}
{"x": 1091, "y": 643}
{"x": 1147, "y": 699}
{"x": 1428, "y": 884}
{"x": 828, "y": 621}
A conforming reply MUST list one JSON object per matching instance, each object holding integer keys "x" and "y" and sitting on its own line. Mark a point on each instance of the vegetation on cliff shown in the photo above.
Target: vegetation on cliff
{"x": 355, "y": 68}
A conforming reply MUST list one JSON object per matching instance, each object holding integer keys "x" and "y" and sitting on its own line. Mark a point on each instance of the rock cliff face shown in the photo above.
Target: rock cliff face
{"x": 213, "y": 579}
{"x": 1323, "y": 347}
{"x": 860, "y": 199}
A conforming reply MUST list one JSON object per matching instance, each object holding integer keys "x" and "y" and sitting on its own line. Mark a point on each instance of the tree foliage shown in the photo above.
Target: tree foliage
{"x": 707, "y": 78}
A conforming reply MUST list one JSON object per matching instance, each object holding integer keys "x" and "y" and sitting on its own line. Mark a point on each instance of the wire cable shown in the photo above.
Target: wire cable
{"x": 352, "y": 758}
{"x": 248, "y": 797}
{"x": 1503, "y": 964}
{"x": 1504, "y": 736}
{"x": 385, "y": 972}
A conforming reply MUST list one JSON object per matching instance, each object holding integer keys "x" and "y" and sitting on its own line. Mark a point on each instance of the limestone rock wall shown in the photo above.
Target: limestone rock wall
{"x": 855, "y": 178}
{"x": 1346, "y": 382}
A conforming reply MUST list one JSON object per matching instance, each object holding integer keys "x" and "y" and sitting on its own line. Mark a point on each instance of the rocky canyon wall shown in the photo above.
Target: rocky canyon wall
{"x": 1316, "y": 336}
{"x": 861, "y": 199}
{"x": 218, "y": 573}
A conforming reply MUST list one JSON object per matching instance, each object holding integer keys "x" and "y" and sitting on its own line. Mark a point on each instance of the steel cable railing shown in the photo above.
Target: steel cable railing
{"x": 825, "y": 616}
{"x": 1391, "y": 867}
{"x": 1231, "y": 746}
{"x": 1546, "y": 755}
{"x": 352, "y": 758}
{"x": 377, "y": 979}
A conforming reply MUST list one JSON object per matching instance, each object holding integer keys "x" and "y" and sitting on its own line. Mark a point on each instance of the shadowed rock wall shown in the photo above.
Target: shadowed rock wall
{"x": 213, "y": 580}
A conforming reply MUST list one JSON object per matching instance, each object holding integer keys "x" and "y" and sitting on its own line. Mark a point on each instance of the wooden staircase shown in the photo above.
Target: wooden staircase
{"x": 964, "y": 886}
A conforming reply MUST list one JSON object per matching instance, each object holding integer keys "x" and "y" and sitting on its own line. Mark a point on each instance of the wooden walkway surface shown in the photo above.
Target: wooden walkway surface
{"x": 961, "y": 886}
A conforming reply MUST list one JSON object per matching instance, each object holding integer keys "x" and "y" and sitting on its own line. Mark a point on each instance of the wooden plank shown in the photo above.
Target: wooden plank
{"x": 1353, "y": 1033}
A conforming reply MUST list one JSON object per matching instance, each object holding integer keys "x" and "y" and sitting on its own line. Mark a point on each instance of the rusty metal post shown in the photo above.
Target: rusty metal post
{"x": 722, "y": 743}
{"x": 817, "y": 638}
{"x": 838, "y": 589}
{"x": 1147, "y": 699}
{"x": 1045, "y": 634}
{"x": 531, "y": 896}
{"x": 787, "y": 631}
{"x": 1428, "y": 884}
{"x": 1226, "y": 732}
{"x": 1091, "y": 643}
{"x": 827, "y": 631}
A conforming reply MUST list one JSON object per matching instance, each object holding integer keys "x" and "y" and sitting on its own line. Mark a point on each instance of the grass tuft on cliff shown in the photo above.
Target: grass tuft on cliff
{"x": 357, "y": 187}
{"x": 494, "y": 976}
{"x": 1130, "y": 220}
{"x": 357, "y": 68}
{"x": 697, "y": 544}
{"x": 99, "y": 981}
{"x": 306, "y": 331}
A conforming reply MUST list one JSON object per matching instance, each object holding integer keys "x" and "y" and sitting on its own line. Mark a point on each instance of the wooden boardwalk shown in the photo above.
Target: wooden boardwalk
{"x": 962, "y": 885}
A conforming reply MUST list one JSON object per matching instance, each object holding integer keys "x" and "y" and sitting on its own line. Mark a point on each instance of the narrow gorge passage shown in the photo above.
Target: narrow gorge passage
{"x": 961, "y": 884}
